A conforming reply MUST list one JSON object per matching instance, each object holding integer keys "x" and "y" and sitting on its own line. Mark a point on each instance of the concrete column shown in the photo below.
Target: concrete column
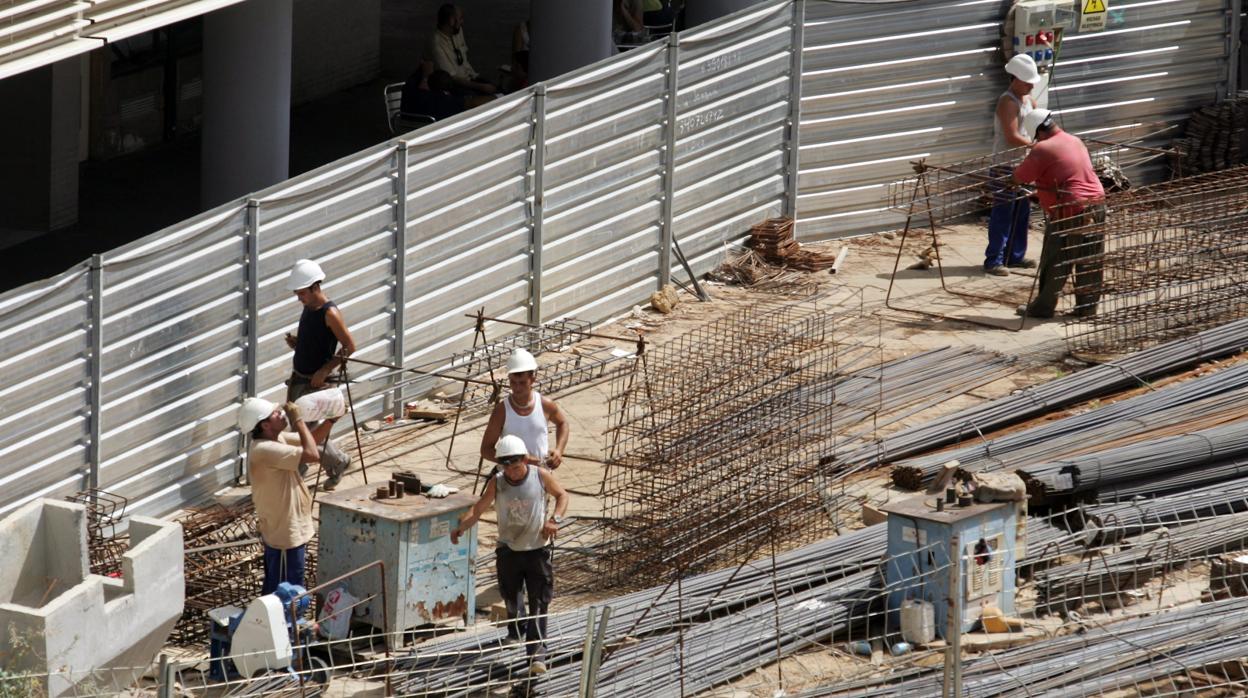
{"x": 39, "y": 131}
{"x": 702, "y": 11}
{"x": 246, "y": 132}
{"x": 567, "y": 34}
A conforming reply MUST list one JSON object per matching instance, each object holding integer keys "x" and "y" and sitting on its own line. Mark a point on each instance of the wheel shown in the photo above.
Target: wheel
{"x": 318, "y": 670}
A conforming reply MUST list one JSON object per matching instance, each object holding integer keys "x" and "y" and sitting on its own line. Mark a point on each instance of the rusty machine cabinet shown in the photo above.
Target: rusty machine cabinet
{"x": 428, "y": 579}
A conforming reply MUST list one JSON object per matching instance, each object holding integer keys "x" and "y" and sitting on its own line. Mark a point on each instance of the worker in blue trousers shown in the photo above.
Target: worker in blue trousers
{"x": 1007, "y": 224}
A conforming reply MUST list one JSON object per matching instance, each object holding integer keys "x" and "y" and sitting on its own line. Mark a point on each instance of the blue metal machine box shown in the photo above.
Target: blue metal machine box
{"x": 917, "y": 566}
{"x": 427, "y": 578}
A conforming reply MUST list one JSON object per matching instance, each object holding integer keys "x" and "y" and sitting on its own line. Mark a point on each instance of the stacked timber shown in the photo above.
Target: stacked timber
{"x": 1213, "y": 139}
{"x": 773, "y": 239}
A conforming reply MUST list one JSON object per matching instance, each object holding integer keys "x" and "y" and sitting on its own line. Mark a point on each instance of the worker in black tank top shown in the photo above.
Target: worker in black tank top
{"x": 317, "y": 353}
{"x": 315, "y": 343}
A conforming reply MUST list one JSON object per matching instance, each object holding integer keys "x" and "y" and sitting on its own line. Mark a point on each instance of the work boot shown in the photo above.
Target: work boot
{"x": 1024, "y": 264}
{"x": 997, "y": 270}
{"x": 1026, "y": 311}
{"x": 537, "y": 667}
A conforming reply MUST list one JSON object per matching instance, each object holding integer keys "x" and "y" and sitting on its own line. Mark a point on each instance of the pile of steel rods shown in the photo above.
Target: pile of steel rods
{"x": 479, "y": 658}
{"x": 1110, "y": 521}
{"x": 1143, "y": 459}
{"x": 1097, "y": 381}
{"x": 1103, "y": 578}
{"x": 717, "y": 626}
{"x": 1099, "y": 660}
{"x": 1175, "y": 482}
{"x": 1212, "y": 398}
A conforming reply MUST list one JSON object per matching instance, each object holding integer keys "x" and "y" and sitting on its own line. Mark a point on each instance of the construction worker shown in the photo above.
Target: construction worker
{"x": 283, "y": 503}
{"x": 523, "y": 558}
{"x": 1007, "y": 224}
{"x": 317, "y": 354}
{"x": 519, "y": 415}
{"x": 1073, "y": 199}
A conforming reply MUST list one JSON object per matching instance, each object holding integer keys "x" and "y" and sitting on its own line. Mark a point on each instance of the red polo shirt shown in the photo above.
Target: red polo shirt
{"x": 1062, "y": 172}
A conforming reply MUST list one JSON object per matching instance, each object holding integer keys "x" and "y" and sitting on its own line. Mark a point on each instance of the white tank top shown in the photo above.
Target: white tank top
{"x": 999, "y": 143}
{"x": 530, "y": 428}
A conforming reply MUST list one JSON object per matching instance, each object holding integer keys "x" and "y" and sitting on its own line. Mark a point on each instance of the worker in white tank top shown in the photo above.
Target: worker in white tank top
{"x": 526, "y": 414}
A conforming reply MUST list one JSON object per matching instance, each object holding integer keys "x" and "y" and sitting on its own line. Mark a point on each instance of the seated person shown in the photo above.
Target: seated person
{"x": 450, "y": 53}
{"x": 627, "y": 28}
{"x": 427, "y": 92}
{"x": 520, "y": 57}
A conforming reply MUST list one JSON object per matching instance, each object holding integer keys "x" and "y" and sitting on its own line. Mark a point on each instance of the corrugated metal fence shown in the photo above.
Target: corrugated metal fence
{"x": 559, "y": 200}
{"x": 885, "y": 83}
{"x": 126, "y": 372}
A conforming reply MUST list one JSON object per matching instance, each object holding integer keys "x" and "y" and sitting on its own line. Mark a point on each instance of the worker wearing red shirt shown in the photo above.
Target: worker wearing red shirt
{"x": 1074, "y": 205}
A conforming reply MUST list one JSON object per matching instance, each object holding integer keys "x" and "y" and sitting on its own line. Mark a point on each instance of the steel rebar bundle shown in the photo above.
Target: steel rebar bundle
{"x": 1105, "y": 577}
{"x": 973, "y": 422}
{"x": 1143, "y": 459}
{"x": 712, "y": 627}
{"x": 1096, "y": 661}
{"x": 455, "y": 666}
{"x": 1207, "y": 400}
{"x": 1111, "y": 521}
{"x": 1175, "y": 482}
{"x": 1172, "y": 260}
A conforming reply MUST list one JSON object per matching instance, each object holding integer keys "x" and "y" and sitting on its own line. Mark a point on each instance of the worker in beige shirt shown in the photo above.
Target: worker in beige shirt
{"x": 283, "y": 503}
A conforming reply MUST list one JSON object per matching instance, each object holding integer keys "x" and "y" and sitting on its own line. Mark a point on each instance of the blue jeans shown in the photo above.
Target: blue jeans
{"x": 282, "y": 566}
{"x": 1007, "y": 224}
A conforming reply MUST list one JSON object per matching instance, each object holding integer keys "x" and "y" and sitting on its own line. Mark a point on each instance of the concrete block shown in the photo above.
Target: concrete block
{"x": 83, "y": 628}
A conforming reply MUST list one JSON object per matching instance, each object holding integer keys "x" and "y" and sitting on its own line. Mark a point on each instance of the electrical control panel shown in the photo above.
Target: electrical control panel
{"x": 1036, "y": 24}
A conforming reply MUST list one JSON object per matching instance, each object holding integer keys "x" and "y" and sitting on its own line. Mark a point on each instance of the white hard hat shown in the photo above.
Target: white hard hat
{"x": 521, "y": 361}
{"x": 510, "y": 446}
{"x": 253, "y": 411}
{"x": 1033, "y": 120}
{"x": 304, "y": 274}
{"x": 1023, "y": 67}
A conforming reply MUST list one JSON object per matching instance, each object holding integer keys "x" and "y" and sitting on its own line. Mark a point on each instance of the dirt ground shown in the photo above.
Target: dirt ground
{"x": 987, "y": 321}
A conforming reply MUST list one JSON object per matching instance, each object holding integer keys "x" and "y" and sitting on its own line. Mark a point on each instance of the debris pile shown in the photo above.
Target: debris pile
{"x": 773, "y": 239}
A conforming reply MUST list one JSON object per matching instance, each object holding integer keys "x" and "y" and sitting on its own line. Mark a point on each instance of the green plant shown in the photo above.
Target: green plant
{"x": 15, "y": 682}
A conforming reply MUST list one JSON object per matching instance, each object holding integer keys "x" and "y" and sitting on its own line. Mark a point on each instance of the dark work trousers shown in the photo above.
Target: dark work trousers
{"x": 529, "y": 572}
{"x": 1071, "y": 241}
{"x": 283, "y": 566}
{"x": 1007, "y": 224}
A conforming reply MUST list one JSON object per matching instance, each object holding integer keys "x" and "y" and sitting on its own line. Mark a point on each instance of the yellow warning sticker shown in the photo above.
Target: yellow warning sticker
{"x": 1092, "y": 18}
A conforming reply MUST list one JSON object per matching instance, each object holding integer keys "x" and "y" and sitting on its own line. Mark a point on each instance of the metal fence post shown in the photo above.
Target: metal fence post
{"x": 251, "y": 355}
{"x": 164, "y": 685}
{"x": 535, "y": 240}
{"x": 1234, "y": 48}
{"x": 97, "y": 371}
{"x": 952, "y": 687}
{"x": 400, "y": 269}
{"x": 669, "y": 160}
{"x": 795, "y": 108}
{"x": 586, "y": 652}
{"x": 595, "y": 658}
